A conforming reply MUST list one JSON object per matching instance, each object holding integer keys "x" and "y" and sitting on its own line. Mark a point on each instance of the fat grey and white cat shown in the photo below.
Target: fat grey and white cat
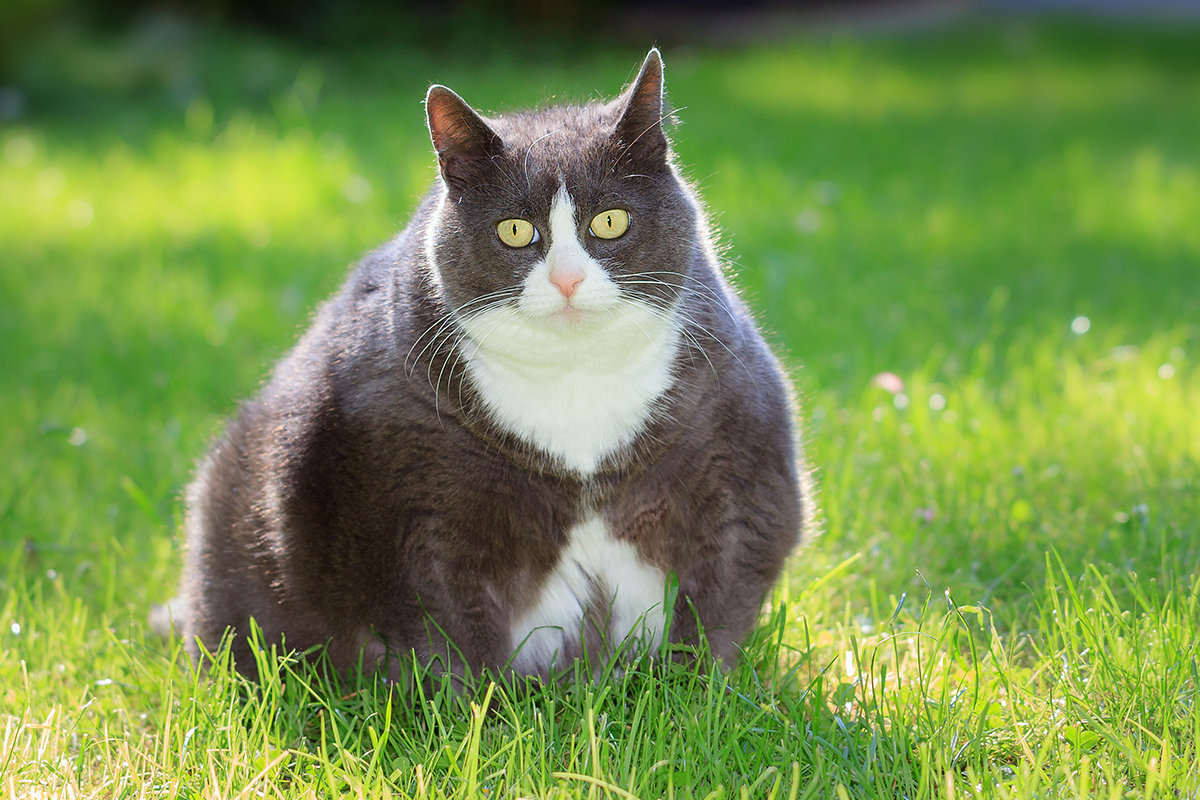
{"x": 514, "y": 425}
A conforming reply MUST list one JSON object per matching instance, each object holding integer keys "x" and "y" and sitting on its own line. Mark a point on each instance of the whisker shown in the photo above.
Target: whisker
{"x": 436, "y": 329}
{"x": 451, "y": 317}
{"x": 712, "y": 367}
{"x": 736, "y": 357}
{"x": 687, "y": 319}
{"x": 690, "y": 320}
{"x": 448, "y": 361}
{"x": 498, "y": 300}
{"x": 460, "y": 334}
{"x": 478, "y": 344}
{"x": 694, "y": 282}
{"x": 529, "y": 150}
{"x": 633, "y": 322}
{"x": 709, "y": 299}
{"x": 658, "y": 302}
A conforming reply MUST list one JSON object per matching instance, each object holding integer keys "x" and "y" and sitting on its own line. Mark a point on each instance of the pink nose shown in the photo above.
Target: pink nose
{"x": 567, "y": 278}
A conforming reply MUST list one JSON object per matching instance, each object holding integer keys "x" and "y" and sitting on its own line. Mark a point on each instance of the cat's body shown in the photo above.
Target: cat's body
{"x": 511, "y": 447}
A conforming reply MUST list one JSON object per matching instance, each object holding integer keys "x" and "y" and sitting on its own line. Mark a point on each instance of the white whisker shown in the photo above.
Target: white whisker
{"x": 690, "y": 321}
{"x": 451, "y": 318}
{"x": 478, "y": 344}
{"x": 685, "y": 320}
{"x": 460, "y": 334}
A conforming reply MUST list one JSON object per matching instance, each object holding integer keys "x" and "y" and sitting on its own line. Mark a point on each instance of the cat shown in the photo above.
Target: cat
{"x": 528, "y": 430}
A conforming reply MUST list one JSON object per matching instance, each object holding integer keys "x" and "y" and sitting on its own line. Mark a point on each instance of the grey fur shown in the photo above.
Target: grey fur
{"x": 366, "y": 500}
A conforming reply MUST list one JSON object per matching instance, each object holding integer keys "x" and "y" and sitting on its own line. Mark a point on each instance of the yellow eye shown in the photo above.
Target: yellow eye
{"x": 517, "y": 232}
{"x": 610, "y": 224}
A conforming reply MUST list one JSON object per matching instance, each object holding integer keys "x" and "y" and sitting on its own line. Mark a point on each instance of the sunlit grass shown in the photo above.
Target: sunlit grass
{"x": 1002, "y": 601}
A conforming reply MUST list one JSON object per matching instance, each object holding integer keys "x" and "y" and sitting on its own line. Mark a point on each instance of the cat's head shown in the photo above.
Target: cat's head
{"x": 564, "y": 217}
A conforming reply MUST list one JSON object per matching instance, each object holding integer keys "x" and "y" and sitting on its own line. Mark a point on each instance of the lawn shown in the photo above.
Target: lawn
{"x": 1003, "y": 598}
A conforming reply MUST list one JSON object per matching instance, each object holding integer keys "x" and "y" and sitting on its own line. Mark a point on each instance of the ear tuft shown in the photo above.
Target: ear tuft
{"x": 640, "y": 128}
{"x": 464, "y": 142}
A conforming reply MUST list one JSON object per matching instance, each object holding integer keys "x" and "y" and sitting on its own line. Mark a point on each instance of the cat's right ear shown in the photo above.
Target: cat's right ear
{"x": 640, "y": 129}
{"x": 465, "y": 144}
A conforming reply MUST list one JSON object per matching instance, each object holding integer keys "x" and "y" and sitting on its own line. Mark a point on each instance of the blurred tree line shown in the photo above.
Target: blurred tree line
{"x": 23, "y": 23}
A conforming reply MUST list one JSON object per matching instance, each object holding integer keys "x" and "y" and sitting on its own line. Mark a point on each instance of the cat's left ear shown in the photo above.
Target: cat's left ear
{"x": 640, "y": 129}
{"x": 465, "y": 144}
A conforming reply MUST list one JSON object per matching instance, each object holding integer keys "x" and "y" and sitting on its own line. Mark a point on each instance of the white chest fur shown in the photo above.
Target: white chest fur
{"x": 576, "y": 377}
{"x": 593, "y": 567}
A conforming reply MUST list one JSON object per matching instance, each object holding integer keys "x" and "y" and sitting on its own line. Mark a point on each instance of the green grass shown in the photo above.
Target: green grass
{"x": 1003, "y": 601}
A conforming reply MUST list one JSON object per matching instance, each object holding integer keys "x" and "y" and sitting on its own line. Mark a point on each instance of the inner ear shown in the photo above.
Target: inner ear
{"x": 640, "y": 129}
{"x": 464, "y": 143}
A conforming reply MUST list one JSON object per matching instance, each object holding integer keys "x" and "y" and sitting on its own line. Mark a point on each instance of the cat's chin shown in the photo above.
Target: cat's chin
{"x": 572, "y": 319}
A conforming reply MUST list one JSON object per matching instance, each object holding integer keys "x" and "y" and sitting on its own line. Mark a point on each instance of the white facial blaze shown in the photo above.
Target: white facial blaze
{"x": 576, "y": 376}
{"x": 592, "y": 560}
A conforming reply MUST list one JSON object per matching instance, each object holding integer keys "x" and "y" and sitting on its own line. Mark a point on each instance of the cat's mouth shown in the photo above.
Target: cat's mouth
{"x": 567, "y": 313}
{"x": 571, "y": 315}
{"x": 581, "y": 315}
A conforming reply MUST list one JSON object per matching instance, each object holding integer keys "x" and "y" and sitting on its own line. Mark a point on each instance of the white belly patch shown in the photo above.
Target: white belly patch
{"x": 593, "y": 567}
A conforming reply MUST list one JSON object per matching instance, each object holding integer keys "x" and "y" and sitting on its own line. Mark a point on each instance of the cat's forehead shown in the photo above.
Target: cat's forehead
{"x": 565, "y": 125}
{"x": 559, "y": 139}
